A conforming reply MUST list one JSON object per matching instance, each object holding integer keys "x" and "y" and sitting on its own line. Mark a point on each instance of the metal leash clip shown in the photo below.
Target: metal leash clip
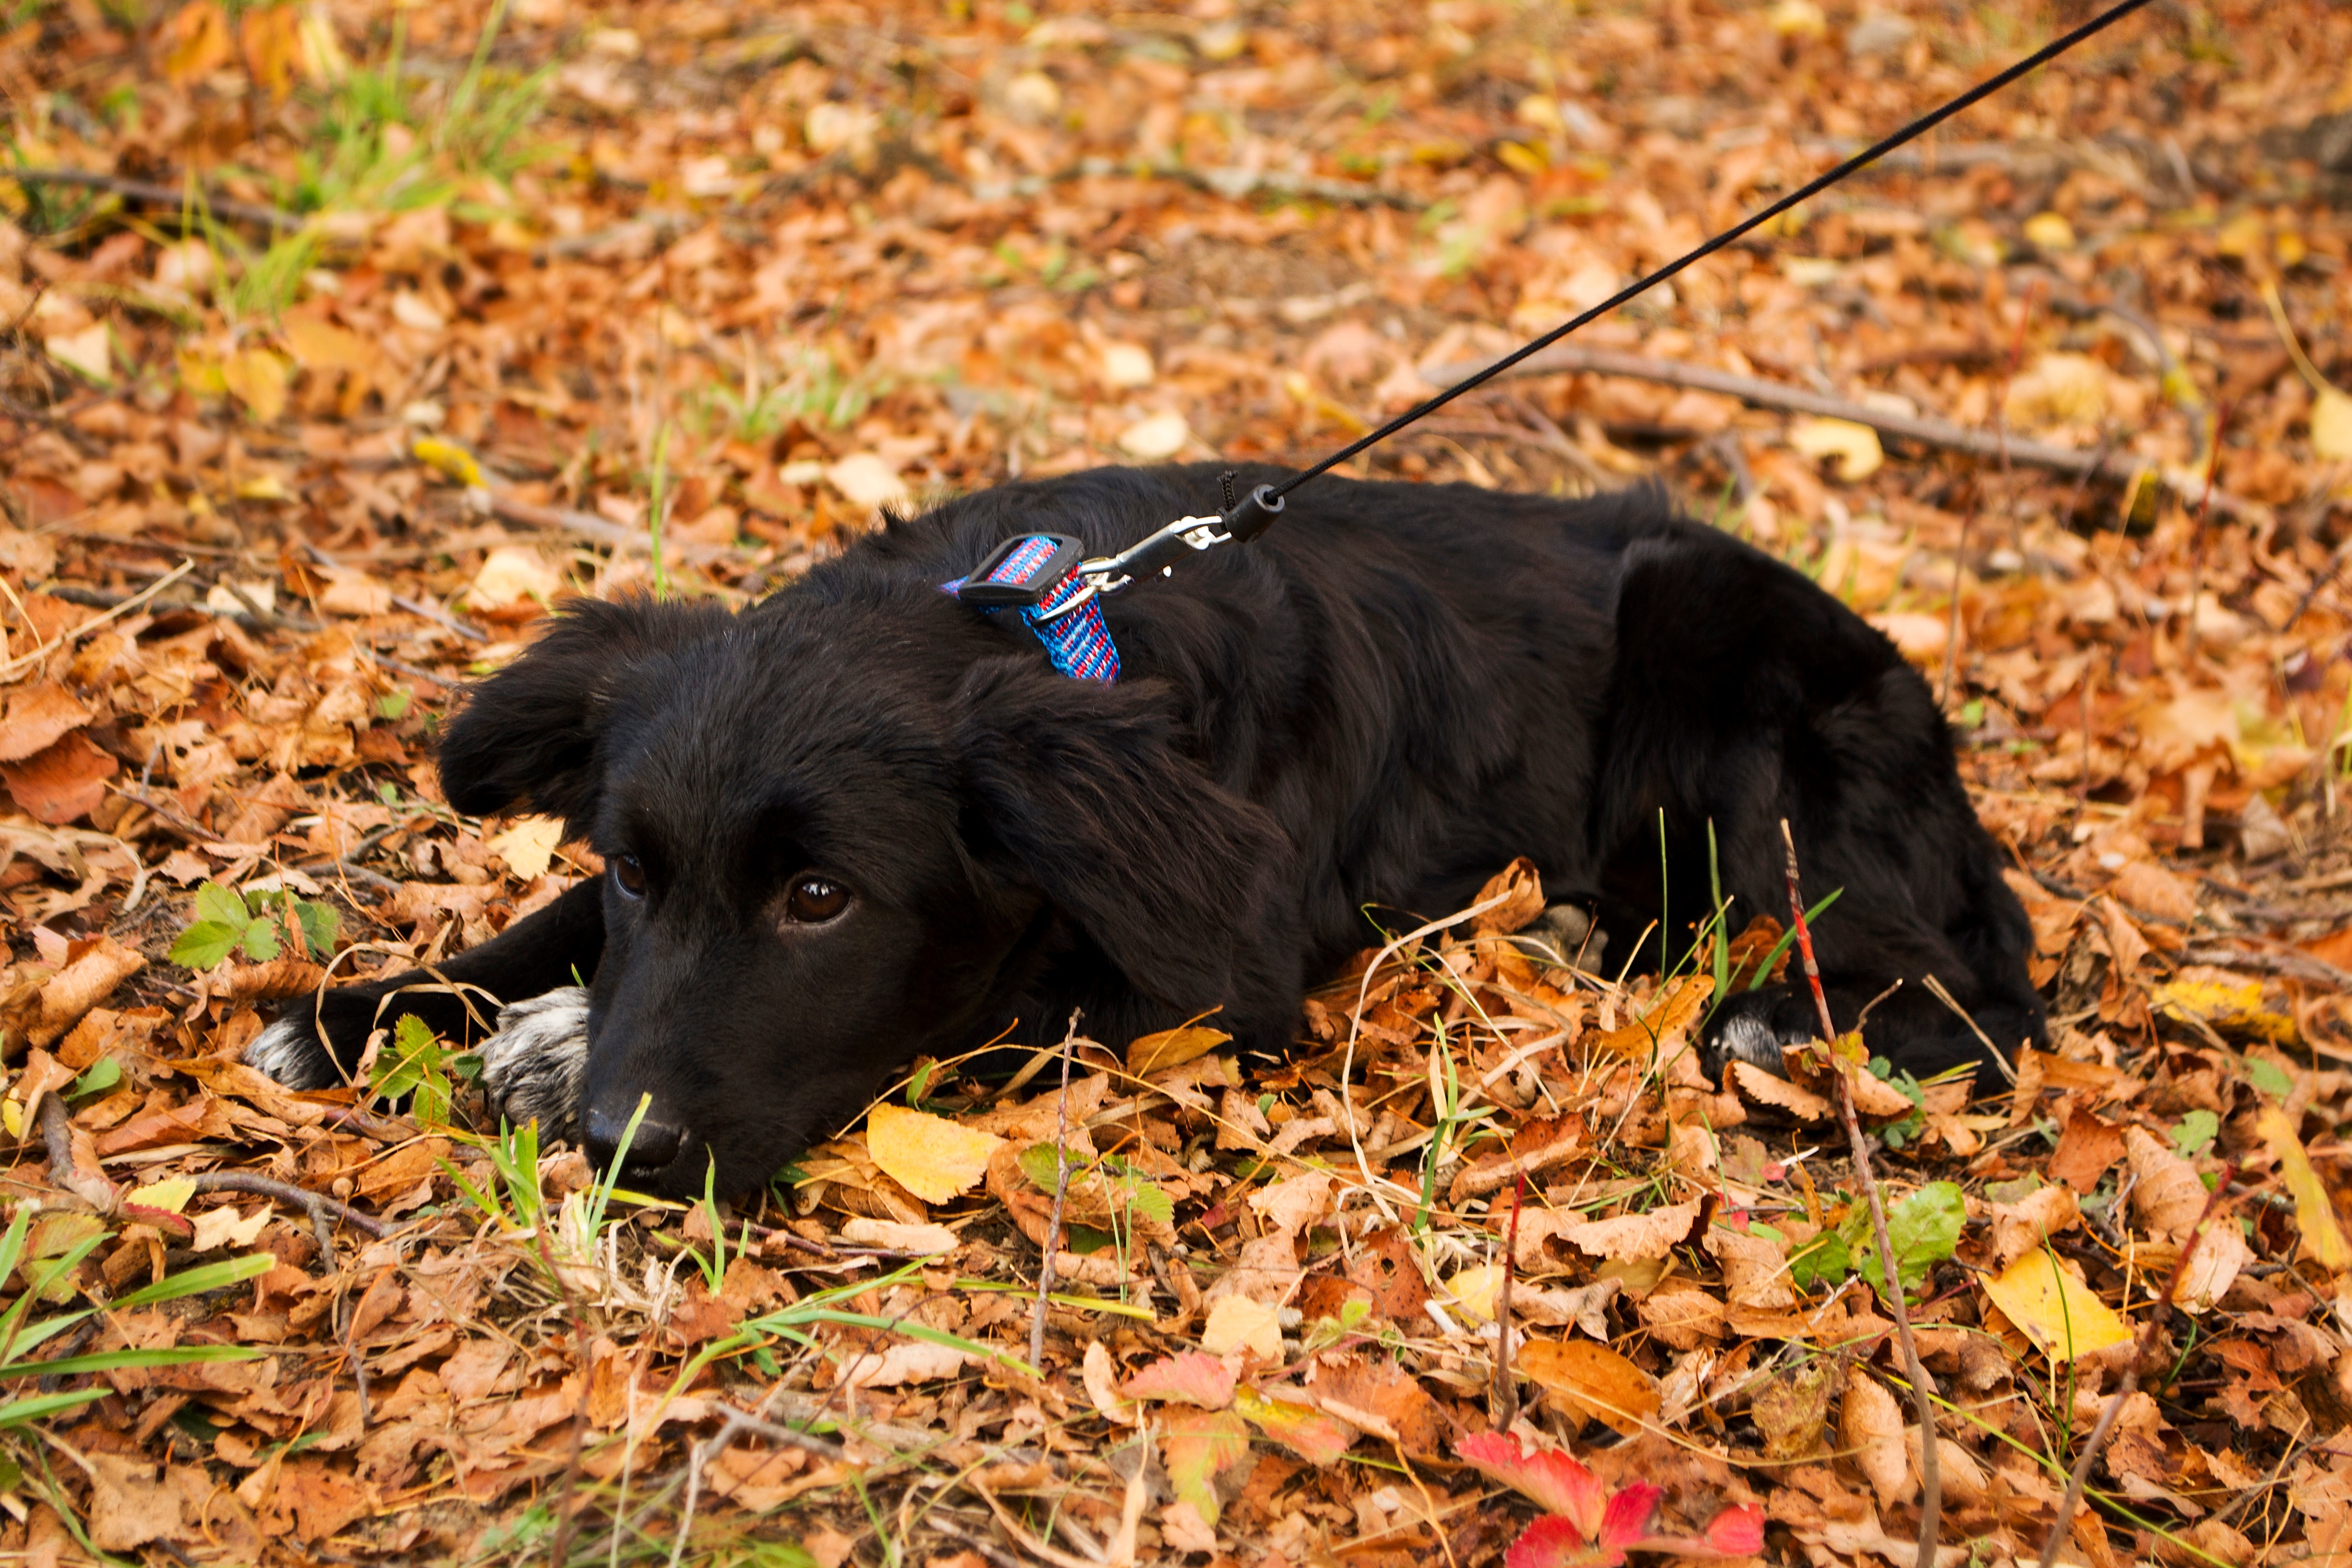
{"x": 1244, "y": 519}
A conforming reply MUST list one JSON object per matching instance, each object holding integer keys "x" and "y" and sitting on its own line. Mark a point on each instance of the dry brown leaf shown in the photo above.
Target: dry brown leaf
{"x": 1870, "y": 1426}
{"x": 1520, "y": 888}
{"x": 38, "y": 716}
{"x": 1593, "y": 1381}
{"x": 1648, "y": 1235}
{"x": 2167, "y": 1196}
{"x": 1760, "y": 1088}
{"x": 2029, "y": 1224}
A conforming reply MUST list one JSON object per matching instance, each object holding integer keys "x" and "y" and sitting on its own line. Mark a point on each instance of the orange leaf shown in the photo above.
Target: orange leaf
{"x": 931, "y": 1156}
{"x": 1592, "y": 1380}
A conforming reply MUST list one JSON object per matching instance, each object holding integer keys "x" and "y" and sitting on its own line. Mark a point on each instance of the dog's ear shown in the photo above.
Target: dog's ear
{"x": 529, "y": 733}
{"x": 1088, "y": 789}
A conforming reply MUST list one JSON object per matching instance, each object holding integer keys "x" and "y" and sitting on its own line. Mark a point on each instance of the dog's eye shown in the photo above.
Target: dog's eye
{"x": 629, "y": 874}
{"x": 813, "y": 900}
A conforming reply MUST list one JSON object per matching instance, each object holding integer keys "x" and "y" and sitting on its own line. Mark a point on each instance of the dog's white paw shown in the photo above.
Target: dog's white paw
{"x": 288, "y": 1050}
{"x": 1747, "y": 1039}
{"x": 532, "y": 1067}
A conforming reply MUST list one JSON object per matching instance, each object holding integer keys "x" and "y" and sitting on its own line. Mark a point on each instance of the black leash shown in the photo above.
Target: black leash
{"x": 1056, "y": 575}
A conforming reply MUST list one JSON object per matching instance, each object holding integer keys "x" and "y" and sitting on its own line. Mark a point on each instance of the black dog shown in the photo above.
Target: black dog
{"x": 863, "y": 821}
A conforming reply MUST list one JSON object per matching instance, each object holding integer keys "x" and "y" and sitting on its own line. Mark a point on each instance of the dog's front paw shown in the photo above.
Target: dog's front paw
{"x": 290, "y": 1051}
{"x": 1752, "y": 1028}
{"x": 532, "y": 1067}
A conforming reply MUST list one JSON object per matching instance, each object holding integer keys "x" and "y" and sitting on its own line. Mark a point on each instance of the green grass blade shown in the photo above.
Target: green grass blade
{"x": 40, "y": 1406}
{"x": 197, "y": 1281}
{"x": 1788, "y": 936}
{"x": 107, "y": 1361}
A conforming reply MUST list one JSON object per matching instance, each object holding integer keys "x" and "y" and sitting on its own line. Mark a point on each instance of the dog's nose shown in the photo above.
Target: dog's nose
{"x": 653, "y": 1145}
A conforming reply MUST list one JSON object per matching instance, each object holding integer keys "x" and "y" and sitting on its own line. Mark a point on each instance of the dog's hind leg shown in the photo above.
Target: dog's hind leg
{"x": 1744, "y": 696}
{"x": 317, "y": 1040}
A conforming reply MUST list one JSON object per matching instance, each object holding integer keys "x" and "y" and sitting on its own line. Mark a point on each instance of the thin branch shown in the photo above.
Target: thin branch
{"x": 1931, "y": 1481}
{"x": 1061, "y": 1194}
{"x": 148, "y": 195}
{"x": 1575, "y": 358}
{"x": 738, "y": 1423}
{"x": 1502, "y": 1400}
{"x": 2081, "y": 1473}
{"x": 317, "y": 1206}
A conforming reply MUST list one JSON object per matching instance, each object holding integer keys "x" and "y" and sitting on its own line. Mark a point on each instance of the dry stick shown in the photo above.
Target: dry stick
{"x": 1579, "y": 359}
{"x": 1503, "y": 1406}
{"x": 2082, "y": 1471}
{"x": 148, "y": 195}
{"x": 738, "y": 1422}
{"x": 317, "y": 1206}
{"x": 1931, "y": 1484}
{"x": 1061, "y": 1192}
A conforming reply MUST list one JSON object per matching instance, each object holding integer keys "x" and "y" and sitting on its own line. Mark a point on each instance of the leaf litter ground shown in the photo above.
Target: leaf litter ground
{"x": 338, "y": 340}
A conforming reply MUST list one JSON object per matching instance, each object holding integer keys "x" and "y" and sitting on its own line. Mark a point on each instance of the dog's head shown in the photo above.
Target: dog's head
{"x": 838, "y": 836}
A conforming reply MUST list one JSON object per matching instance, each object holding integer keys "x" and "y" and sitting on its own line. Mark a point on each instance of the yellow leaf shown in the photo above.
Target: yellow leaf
{"x": 200, "y": 372}
{"x": 2225, "y": 1004}
{"x": 12, "y": 1117}
{"x": 272, "y": 39}
{"x": 2241, "y": 237}
{"x": 2052, "y": 1307}
{"x": 2323, "y": 1239}
{"x": 931, "y": 1156}
{"x": 1855, "y": 447}
{"x": 196, "y": 42}
{"x": 256, "y": 378}
{"x": 170, "y": 1195}
{"x": 529, "y": 846}
{"x": 1474, "y": 1288}
{"x": 2050, "y": 231}
{"x": 450, "y": 459}
{"x": 1798, "y": 19}
{"x": 1149, "y": 1054}
{"x": 1593, "y": 1379}
{"x": 2331, "y": 427}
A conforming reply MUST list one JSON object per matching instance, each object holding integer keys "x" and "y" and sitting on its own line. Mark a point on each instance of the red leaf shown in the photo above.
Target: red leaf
{"x": 1192, "y": 1378}
{"x": 1552, "y": 1542}
{"x": 1627, "y": 1518}
{"x": 1549, "y": 1477}
{"x": 1737, "y": 1531}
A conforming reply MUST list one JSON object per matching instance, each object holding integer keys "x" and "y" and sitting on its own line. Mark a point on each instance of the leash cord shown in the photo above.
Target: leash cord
{"x": 1269, "y": 498}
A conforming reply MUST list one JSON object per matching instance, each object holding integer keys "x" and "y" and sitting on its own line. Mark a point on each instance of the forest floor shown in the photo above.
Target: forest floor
{"x": 339, "y": 339}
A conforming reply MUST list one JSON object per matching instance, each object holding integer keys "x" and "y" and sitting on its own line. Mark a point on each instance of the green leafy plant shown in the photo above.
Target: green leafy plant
{"x": 2195, "y": 1133}
{"x": 1898, "y": 1133}
{"x": 419, "y": 1068}
{"x": 1923, "y": 1229}
{"x": 227, "y": 921}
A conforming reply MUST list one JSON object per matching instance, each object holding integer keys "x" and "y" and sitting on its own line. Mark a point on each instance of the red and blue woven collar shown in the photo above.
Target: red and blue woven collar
{"x": 1037, "y": 575}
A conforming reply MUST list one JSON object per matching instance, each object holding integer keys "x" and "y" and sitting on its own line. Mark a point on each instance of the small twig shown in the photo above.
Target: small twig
{"x": 1061, "y": 1194}
{"x": 57, "y": 1131}
{"x": 317, "y": 1206}
{"x": 166, "y": 814}
{"x": 23, "y": 661}
{"x": 2081, "y": 1474}
{"x": 1931, "y": 1485}
{"x": 738, "y": 1422}
{"x": 1503, "y": 1404}
{"x": 148, "y": 194}
{"x": 1019, "y": 1537}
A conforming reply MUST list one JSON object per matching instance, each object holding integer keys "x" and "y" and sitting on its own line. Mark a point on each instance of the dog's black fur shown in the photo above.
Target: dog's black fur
{"x": 1378, "y": 704}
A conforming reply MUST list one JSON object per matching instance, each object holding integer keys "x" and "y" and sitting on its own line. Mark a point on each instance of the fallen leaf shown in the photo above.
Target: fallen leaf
{"x": 511, "y": 574}
{"x": 1149, "y": 1054}
{"x": 1236, "y": 1323}
{"x": 1196, "y": 1444}
{"x": 1869, "y": 1425}
{"x": 38, "y": 716}
{"x": 1189, "y": 1377}
{"x": 2167, "y": 1196}
{"x": 1155, "y": 440}
{"x": 1635, "y": 1235}
{"x": 897, "y": 1237}
{"x": 909, "y": 1360}
{"x": 932, "y": 1157}
{"x": 866, "y": 480}
{"x": 1855, "y": 447}
{"x": 1314, "y": 1435}
{"x": 2314, "y": 1215}
{"x": 61, "y": 783}
{"x": 2052, "y": 1307}
{"x": 1594, "y": 1380}
{"x": 528, "y": 846}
